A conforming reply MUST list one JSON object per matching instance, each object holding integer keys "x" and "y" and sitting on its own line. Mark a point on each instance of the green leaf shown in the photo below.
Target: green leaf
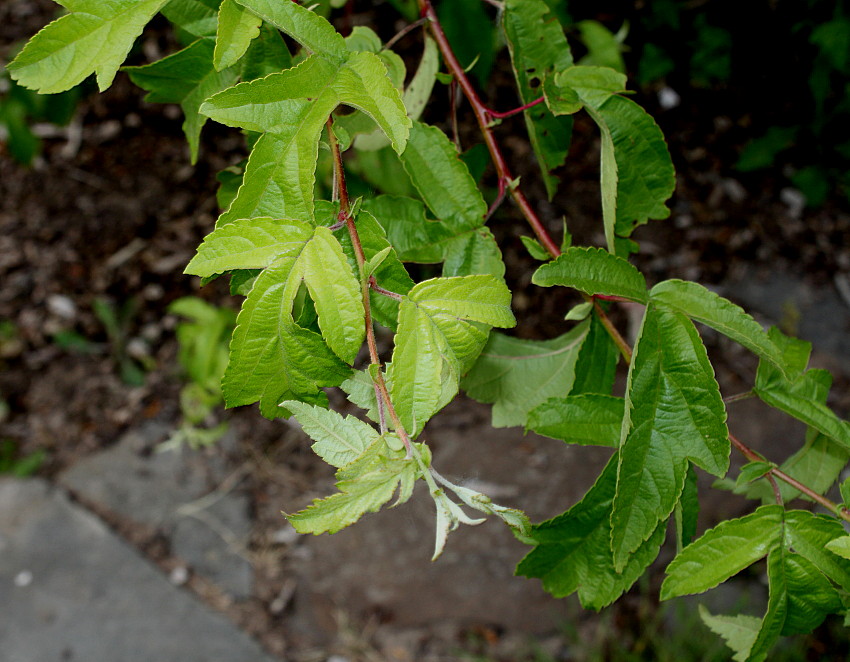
{"x": 572, "y": 551}
{"x": 687, "y": 511}
{"x": 753, "y": 471}
{"x": 810, "y": 536}
{"x": 518, "y": 375}
{"x": 535, "y": 249}
{"x": 292, "y": 107}
{"x": 597, "y": 361}
{"x": 604, "y": 48}
{"x": 579, "y": 419}
{"x": 465, "y": 251}
{"x": 811, "y": 598}
{"x": 248, "y": 244}
{"x": 723, "y": 551}
{"x": 593, "y": 271}
{"x": 271, "y": 358}
{"x": 538, "y": 48}
{"x": 237, "y": 28}
{"x": 419, "y": 90}
{"x": 267, "y": 54}
{"x": 840, "y": 546}
{"x": 442, "y": 178}
{"x": 703, "y": 305}
{"x": 94, "y": 38}
{"x": 739, "y": 632}
{"x": 438, "y": 339}
{"x": 798, "y": 397}
{"x": 674, "y": 413}
{"x": 199, "y": 18}
{"x": 365, "y": 493}
{"x": 338, "y": 441}
{"x": 304, "y": 26}
{"x": 470, "y": 31}
{"x": 363, "y": 38}
{"x": 593, "y": 85}
{"x": 187, "y": 77}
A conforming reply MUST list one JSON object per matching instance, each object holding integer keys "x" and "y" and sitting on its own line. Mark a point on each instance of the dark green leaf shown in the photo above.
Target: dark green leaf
{"x": 593, "y": 271}
{"x": 579, "y": 419}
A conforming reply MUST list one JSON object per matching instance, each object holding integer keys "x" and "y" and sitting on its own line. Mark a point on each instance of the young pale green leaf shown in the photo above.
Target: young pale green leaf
{"x": 365, "y": 493}
{"x": 95, "y": 37}
{"x": 579, "y": 312}
{"x": 271, "y": 358}
{"x": 338, "y": 441}
{"x": 572, "y": 551}
{"x": 518, "y": 375}
{"x": 799, "y": 396}
{"x": 590, "y": 419}
{"x": 674, "y": 413}
{"x": 538, "y": 48}
{"x": 248, "y": 244}
{"x": 840, "y": 546}
{"x": 237, "y": 28}
{"x": 535, "y": 249}
{"x": 440, "y": 333}
{"x": 442, "y": 179}
{"x": 739, "y": 632}
{"x": 304, "y": 26}
{"x": 197, "y": 17}
{"x": 187, "y": 77}
{"x": 593, "y": 271}
{"x": 363, "y": 38}
{"x": 593, "y": 85}
{"x": 723, "y": 552}
{"x": 292, "y": 107}
{"x": 703, "y": 305}
{"x": 810, "y": 536}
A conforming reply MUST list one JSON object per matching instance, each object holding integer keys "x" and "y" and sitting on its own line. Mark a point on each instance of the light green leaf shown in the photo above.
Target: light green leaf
{"x": 840, "y": 546}
{"x": 237, "y": 28}
{"x": 579, "y": 312}
{"x": 603, "y": 46}
{"x": 473, "y": 253}
{"x": 197, "y": 17}
{"x": 518, "y": 375}
{"x": 95, "y": 37}
{"x": 535, "y": 249}
{"x": 739, "y": 632}
{"x": 419, "y": 90}
{"x": 703, "y": 305}
{"x": 338, "y": 441}
{"x": 187, "y": 77}
{"x": 443, "y": 179}
{"x": 292, "y": 107}
{"x": 271, "y": 358}
{"x": 572, "y": 551}
{"x": 753, "y": 471}
{"x": 440, "y": 333}
{"x": 593, "y": 85}
{"x": 810, "y": 536}
{"x": 363, "y": 38}
{"x": 593, "y": 271}
{"x": 674, "y": 413}
{"x": 580, "y": 419}
{"x": 723, "y": 551}
{"x": 799, "y": 396}
{"x": 538, "y": 48}
{"x": 267, "y": 54}
{"x": 304, "y": 26}
{"x": 359, "y": 495}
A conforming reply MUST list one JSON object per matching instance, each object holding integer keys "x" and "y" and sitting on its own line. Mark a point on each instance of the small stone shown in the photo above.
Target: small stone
{"x": 179, "y": 575}
{"x": 23, "y": 578}
{"x": 62, "y": 306}
{"x": 668, "y": 98}
{"x": 285, "y": 535}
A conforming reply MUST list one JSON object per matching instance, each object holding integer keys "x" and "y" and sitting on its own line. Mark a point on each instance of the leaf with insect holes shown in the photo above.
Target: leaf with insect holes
{"x": 443, "y": 325}
{"x": 593, "y": 271}
{"x": 188, "y": 78}
{"x": 674, "y": 413}
{"x": 291, "y": 108}
{"x": 237, "y": 28}
{"x": 517, "y": 375}
{"x": 539, "y": 48}
{"x": 95, "y": 37}
{"x": 572, "y": 553}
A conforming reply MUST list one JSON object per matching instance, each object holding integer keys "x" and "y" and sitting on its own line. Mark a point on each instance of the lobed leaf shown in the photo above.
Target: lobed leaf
{"x": 674, "y": 413}
{"x": 739, "y": 632}
{"x": 572, "y": 553}
{"x": 593, "y": 271}
{"x": 95, "y": 37}
{"x": 703, "y": 305}
{"x": 187, "y": 77}
{"x": 237, "y": 28}
{"x": 518, "y": 375}
{"x": 538, "y": 48}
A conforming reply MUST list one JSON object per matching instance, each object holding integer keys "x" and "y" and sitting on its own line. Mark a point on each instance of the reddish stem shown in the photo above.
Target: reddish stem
{"x": 516, "y": 111}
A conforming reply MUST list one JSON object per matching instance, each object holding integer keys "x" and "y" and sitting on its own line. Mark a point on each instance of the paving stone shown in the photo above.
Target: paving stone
{"x": 135, "y": 482}
{"x": 71, "y": 590}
